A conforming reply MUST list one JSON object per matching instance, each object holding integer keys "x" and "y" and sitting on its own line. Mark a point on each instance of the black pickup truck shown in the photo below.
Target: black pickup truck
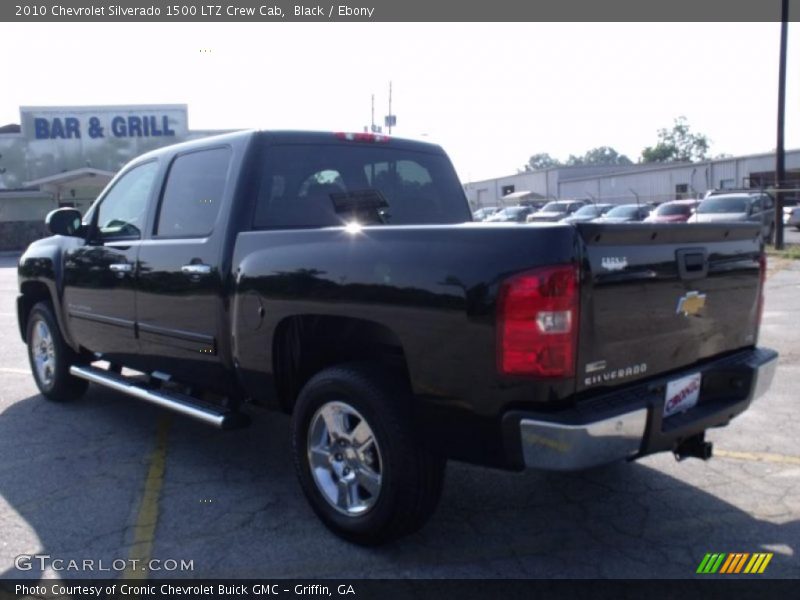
{"x": 339, "y": 278}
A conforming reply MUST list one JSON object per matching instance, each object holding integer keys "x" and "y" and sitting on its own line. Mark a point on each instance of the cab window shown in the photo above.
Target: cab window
{"x": 193, "y": 193}
{"x": 329, "y": 185}
{"x": 121, "y": 214}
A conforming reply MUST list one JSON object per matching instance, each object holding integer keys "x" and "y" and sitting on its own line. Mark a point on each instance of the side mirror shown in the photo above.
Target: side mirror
{"x": 64, "y": 221}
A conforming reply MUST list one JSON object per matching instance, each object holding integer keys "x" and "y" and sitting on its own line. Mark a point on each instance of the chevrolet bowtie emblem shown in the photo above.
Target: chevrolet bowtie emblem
{"x": 691, "y": 304}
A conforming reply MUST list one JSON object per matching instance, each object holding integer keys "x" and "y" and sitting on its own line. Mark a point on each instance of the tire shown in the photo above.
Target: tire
{"x": 50, "y": 357}
{"x": 409, "y": 474}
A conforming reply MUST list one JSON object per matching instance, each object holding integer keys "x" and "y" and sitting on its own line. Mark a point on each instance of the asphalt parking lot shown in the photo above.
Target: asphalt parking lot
{"x": 108, "y": 478}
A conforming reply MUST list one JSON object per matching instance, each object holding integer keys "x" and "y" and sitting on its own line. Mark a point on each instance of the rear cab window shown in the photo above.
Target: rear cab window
{"x": 330, "y": 185}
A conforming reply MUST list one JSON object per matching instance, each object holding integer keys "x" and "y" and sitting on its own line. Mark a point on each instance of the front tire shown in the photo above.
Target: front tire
{"x": 363, "y": 466}
{"x": 50, "y": 357}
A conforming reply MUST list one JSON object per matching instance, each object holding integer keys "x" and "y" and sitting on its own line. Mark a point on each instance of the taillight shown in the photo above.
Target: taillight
{"x": 762, "y": 278}
{"x": 537, "y": 323}
{"x": 362, "y": 137}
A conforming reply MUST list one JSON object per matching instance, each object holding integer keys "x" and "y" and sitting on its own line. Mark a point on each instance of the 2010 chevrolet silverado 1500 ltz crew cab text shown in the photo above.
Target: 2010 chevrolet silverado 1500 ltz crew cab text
{"x": 339, "y": 278}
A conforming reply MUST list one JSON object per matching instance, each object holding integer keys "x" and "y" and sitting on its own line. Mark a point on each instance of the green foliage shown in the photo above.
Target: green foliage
{"x": 678, "y": 144}
{"x": 602, "y": 155}
{"x": 541, "y": 161}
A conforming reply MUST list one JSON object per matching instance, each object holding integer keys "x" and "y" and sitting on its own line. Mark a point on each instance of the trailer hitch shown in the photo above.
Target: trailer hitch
{"x": 694, "y": 447}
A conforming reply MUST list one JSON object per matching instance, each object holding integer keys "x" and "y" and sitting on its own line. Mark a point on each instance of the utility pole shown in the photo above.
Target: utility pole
{"x": 372, "y": 127}
{"x": 390, "y": 108}
{"x": 780, "y": 152}
{"x": 390, "y": 120}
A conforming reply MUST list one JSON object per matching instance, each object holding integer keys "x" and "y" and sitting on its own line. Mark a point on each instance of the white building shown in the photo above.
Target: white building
{"x": 655, "y": 182}
{"x": 65, "y": 155}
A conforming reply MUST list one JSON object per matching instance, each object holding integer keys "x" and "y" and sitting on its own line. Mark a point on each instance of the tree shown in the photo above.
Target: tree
{"x": 541, "y": 161}
{"x": 602, "y": 155}
{"x": 678, "y": 144}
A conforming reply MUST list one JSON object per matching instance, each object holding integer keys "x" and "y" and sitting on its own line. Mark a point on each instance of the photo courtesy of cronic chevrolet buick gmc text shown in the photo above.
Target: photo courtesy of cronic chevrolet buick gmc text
{"x": 339, "y": 278}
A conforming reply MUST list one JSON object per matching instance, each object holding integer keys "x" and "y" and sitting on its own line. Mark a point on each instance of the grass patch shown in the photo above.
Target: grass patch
{"x": 790, "y": 251}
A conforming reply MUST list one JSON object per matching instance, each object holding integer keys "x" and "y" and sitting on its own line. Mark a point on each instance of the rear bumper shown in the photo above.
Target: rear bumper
{"x": 629, "y": 423}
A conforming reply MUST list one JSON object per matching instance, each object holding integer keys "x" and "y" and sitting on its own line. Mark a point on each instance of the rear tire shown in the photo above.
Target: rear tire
{"x": 363, "y": 466}
{"x": 50, "y": 357}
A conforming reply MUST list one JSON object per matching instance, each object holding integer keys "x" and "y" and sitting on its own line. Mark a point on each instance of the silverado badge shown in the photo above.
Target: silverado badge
{"x": 691, "y": 303}
{"x": 614, "y": 263}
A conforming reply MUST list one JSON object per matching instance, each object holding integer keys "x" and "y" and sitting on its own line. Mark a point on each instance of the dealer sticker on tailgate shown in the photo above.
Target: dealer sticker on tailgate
{"x": 682, "y": 394}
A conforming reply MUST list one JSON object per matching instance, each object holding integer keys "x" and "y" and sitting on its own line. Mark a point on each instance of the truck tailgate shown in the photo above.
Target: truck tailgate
{"x": 655, "y": 298}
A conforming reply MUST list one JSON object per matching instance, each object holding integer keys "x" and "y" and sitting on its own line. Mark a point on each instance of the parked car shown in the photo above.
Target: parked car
{"x": 535, "y": 204}
{"x": 485, "y": 212}
{"x": 555, "y": 211}
{"x": 791, "y": 216}
{"x": 315, "y": 274}
{"x": 510, "y": 214}
{"x": 756, "y": 207}
{"x": 588, "y": 212}
{"x": 676, "y": 211}
{"x": 625, "y": 213}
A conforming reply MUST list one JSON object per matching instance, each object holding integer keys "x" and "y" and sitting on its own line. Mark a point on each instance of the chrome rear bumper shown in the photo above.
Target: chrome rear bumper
{"x": 562, "y": 446}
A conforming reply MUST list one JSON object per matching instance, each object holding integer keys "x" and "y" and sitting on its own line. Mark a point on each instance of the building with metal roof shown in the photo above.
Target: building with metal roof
{"x": 652, "y": 182}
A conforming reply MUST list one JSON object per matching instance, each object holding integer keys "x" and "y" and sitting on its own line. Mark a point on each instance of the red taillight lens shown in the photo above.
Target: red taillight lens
{"x": 362, "y": 137}
{"x": 537, "y": 323}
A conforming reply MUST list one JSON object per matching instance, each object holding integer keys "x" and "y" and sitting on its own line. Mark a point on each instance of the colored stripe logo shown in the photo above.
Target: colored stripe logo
{"x": 733, "y": 563}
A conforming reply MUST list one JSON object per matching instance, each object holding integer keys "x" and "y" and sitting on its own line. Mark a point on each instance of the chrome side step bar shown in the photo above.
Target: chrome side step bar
{"x": 180, "y": 403}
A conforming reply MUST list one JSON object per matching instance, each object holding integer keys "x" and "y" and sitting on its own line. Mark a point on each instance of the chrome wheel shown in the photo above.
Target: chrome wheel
{"x": 43, "y": 352}
{"x": 344, "y": 458}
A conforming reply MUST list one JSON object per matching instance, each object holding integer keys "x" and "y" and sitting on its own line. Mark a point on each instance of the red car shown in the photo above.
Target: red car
{"x": 677, "y": 211}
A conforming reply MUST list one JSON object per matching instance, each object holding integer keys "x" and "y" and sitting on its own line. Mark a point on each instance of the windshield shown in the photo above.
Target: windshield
{"x": 512, "y": 211}
{"x": 723, "y": 204}
{"x": 625, "y": 211}
{"x": 588, "y": 211}
{"x": 560, "y": 207}
{"x": 671, "y": 210}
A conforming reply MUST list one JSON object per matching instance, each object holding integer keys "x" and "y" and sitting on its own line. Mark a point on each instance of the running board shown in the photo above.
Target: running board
{"x": 180, "y": 403}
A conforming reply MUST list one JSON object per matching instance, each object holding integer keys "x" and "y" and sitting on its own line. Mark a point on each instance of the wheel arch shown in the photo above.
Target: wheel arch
{"x": 31, "y": 293}
{"x": 303, "y": 345}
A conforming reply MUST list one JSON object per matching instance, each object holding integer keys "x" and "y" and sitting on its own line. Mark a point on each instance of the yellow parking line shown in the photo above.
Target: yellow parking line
{"x": 147, "y": 519}
{"x": 759, "y": 457}
{"x": 11, "y": 371}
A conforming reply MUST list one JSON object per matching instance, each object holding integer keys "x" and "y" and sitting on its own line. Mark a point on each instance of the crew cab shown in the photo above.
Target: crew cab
{"x": 339, "y": 278}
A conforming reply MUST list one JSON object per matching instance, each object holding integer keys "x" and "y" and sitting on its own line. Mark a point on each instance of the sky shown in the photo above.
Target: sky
{"x": 491, "y": 94}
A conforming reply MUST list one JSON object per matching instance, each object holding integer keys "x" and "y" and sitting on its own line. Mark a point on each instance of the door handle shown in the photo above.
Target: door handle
{"x": 196, "y": 269}
{"x": 121, "y": 268}
{"x": 692, "y": 263}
